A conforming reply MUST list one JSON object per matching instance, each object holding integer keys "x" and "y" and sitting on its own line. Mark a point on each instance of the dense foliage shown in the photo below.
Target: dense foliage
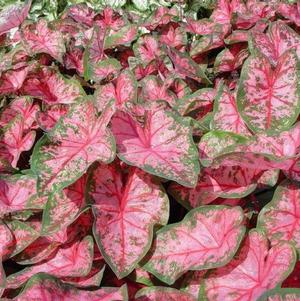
{"x": 150, "y": 150}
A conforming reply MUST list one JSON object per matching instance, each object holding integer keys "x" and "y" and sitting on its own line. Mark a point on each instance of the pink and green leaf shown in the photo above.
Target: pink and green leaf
{"x": 40, "y": 38}
{"x": 281, "y": 294}
{"x": 268, "y": 99}
{"x": 47, "y": 288}
{"x": 280, "y": 218}
{"x": 73, "y": 260}
{"x": 208, "y": 237}
{"x": 78, "y": 139}
{"x": 163, "y": 147}
{"x": 125, "y": 214}
{"x": 255, "y": 270}
{"x": 162, "y": 293}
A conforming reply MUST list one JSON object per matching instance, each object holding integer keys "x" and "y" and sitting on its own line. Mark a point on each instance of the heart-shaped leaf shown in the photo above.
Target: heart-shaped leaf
{"x": 280, "y": 218}
{"x": 163, "y": 147}
{"x": 40, "y": 38}
{"x": 74, "y": 260}
{"x": 78, "y": 139}
{"x": 256, "y": 270}
{"x": 268, "y": 99}
{"x": 208, "y": 237}
{"x": 125, "y": 213}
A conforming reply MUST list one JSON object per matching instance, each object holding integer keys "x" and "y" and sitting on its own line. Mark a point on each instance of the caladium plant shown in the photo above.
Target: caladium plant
{"x": 149, "y": 150}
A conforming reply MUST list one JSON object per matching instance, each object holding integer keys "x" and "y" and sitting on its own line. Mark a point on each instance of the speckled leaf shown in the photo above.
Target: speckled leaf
{"x": 20, "y": 105}
{"x": 23, "y": 234}
{"x": 18, "y": 192}
{"x": 224, "y": 182}
{"x": 185, "y": 67}
{"x": 191, "y": 282}
{"x": 154, "y": 90}
{"x": 281, "y": 294}
{"x": 47, "y": 119}
{"x": 256, "y": 270}
{"x": 93, "y": 278}
{"x": 63, "y": 207}
{"x": 279, "y": 39}
{"x": 47, "y": 288}
{"x": 162, "y": 293}
{"x": 14, "y": 140}
{"x": 268, "y": 99}
{"x": 103, "y": 69}
{"x": 13, "y": 15}
{"x": 52, "y": 87}
{"x": 73, "y": 260}
{"x": 290, "y": 11}
{"x": 125, "y": 213}
{"x": 11, "y": 81}
{"x": 78, "y": 139}
{"x": 280, "y": 218}
{"x": 147, "y": 49}
{"x": 268, "y": 151}
{"x": 226, "y": 116}
{"x": 121, "y": 37}
{"x": 230, "y": 59}
{"x": 40, "y": 38}
{"x": 7, "y": 242}
{"x": 94, "y": 51}
{"x": 163, "y": 147}
{"x": 208, "y": 237}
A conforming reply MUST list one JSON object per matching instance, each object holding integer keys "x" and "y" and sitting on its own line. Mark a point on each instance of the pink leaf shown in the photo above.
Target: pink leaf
{"x": 185, "y": 67}
{"x": 40, "y": 38}
{"x": 147, "y": 49}
{"x": 23, "y": 234}
{"x": 125, "y": 215}
{"x": 7, "y": 242}
{"x": 110, "y": 19}
{"x": 52, "y": 87}
{"x": 154, "y": 90}
{"x": 101, "y": 70}
{"x": 173, "y": 37}
{"x": 78, "y": 139}
{"x": 230, "y": 59}
{"x": 15, "y": 140}
{"x": 226, "y": 116}
{"x": 123, "y": 36}
{"x": 268, "y": 99}
{"x": 268, "y": 151}
{"x": 63, "y": 207}
{"x": 163, "y": 147}
{"x": 162, "y": 293}
{"x": 208, "y": 237}
{"x": 13, "y": 15}
{"x": 290, "y": 11}
{"x": 224, "y": 182}
{"x": 48, "y": 119}
{"x": 81, "y": 13}
{"x": 20, "y": 105}
{"x": 279, "y": 39}
{"x": 256, "y": 270}
{"x": 17, "y": 192}
{"x": 122, "y": 91}
{"x": 12, "y": 80}
{"x": 73, "y": 260}
{"x": 280, "y": 218}
{"x": 47, "y": 288}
